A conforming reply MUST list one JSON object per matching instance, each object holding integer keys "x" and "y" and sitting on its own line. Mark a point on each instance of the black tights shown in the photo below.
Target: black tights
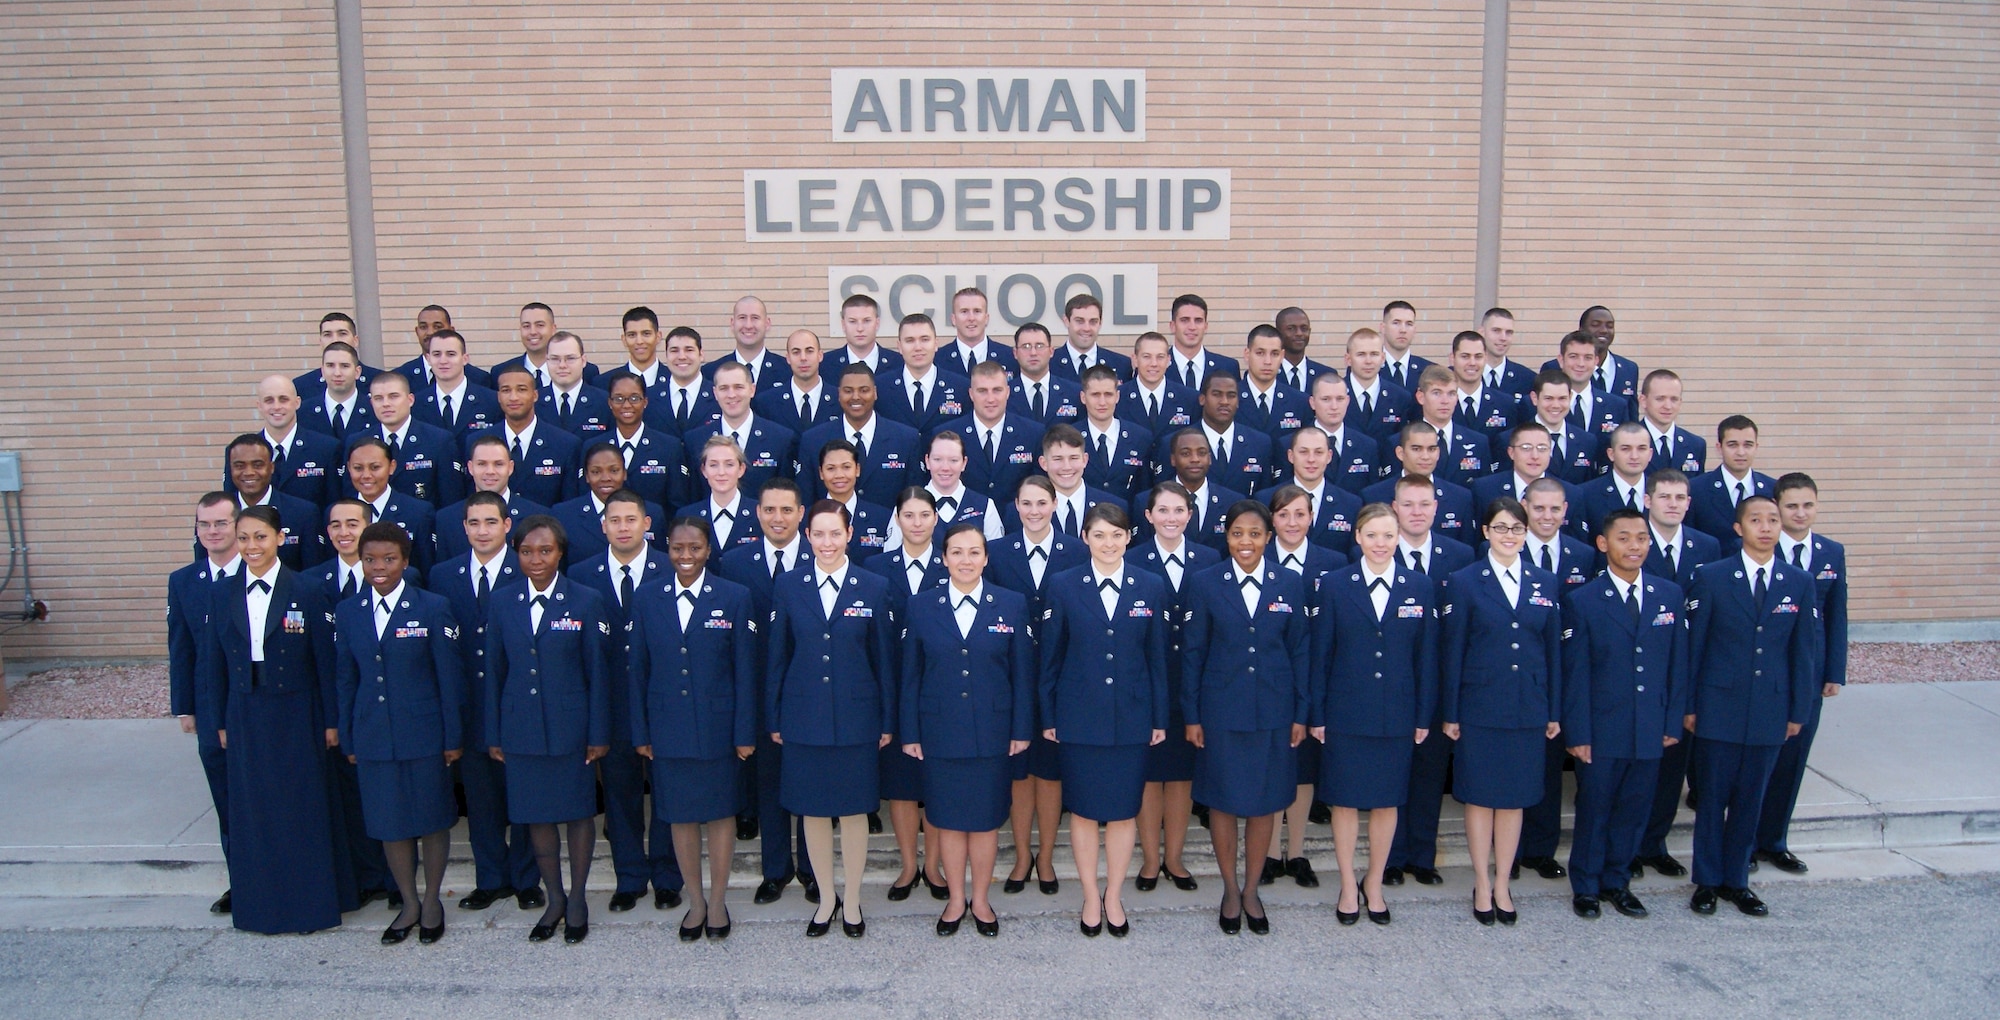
{"x": 548, "y": 860}
{"x": 402, "y": 855}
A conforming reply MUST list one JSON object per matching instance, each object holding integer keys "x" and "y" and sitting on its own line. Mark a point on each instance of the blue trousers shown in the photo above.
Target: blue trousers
{"x": 1416, "y": 842}
{"x": 1541, "y": 825}
{"x": 1781, "y": 798}
{"x": 500, "y": 859}
{"x": 1667, "y": 795}
{"x": 215, "y": 765}
{"x": 623, "y": 774}
{"x": 1729, "y": 782}
{"x": 1613, "y": 798}
{"x": 774, "y": 823}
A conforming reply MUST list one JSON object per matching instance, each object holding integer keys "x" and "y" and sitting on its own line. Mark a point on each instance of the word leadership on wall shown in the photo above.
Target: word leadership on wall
{"x": 1016, "y": 294}
{"x": 939, "y": 205}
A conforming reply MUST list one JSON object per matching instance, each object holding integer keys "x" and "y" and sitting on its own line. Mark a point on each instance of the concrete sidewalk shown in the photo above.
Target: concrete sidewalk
{"x": 1905, "y": 779}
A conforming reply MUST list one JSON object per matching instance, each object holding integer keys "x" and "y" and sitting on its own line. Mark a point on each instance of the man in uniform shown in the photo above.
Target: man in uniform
{"x": 1376, "y": 405}
{"x": 250, "y": 470}
{"x": 188, "y": 591}
{"x": 1356, "y": 459}
{"x": 1193, "y": 363}
{"x": 569, "y": 404}
{"x": 453, "y": 401}
{"x": 1038, "y": 392}
{"x": 917, "y": 392}
{"x": 1463, "y": 452}
{"x": 1152, "y": 399}
{"x": 1295, "y": 333}
{"x": 1083, "y": 315}
{"x": 860, "y": 318}
{"x": 807, "y": 399}
{"x": 1265, "y": 403}
{"x": 969, "y": 319}
{"x": 427, "y": 457}
{"x": 304, "y": 464}
{"x": 1120, "y": 452}
{"x": 887, "y": 451}
{"x": 749, "y": 324}
{"x": 1496, "y": 329}
{"x": 1660, "y": 409}
{"x": 1715, "y": 495}
{"x": 336, "y": 328}
{"x": 1487, "y": 410}
{"x": 1399, "y": 334}
{"x": 489, "y": 468}
{"x": 336, "y": 408}
{"x": 545, "y": 457}
{"x": 1000, "y": 446}
{"x": 769, "y": 450}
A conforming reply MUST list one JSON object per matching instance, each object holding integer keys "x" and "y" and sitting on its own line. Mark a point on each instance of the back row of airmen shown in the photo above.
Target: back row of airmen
{"x": 970, "y": 422}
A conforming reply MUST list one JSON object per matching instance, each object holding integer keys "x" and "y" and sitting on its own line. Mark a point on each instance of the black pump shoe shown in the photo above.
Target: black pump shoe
{"x": 817, "y": 928}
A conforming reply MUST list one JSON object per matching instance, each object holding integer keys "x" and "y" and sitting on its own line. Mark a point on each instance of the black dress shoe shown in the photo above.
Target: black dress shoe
{"x": 1665, "y": 865}
{"x": 480, "y": 899}
{"x": 529, "y": 899}
{"x": 1392, "y": 876}
{"x": 1703, "y": 900}
{"x": 429, "y": 936}
{"x": 623, "y": 901}
{"x": 874, "y": 824}
{"x": 1319, "y": 814}
{"x": 1257, "y": 925}
{"x": 811, "y": 887}
{"x": 544, "y": 932}
{"x": 1745, "y": 900}
{"x": 1375, "y": 916}
{"x": 575, "y": 933}
{"x": 816, "y": 928}
{"x": 1049, "y": 886}
{"x": 1484, "y": 917}
{"x": 1090, "y": 930}
{"x": 991, "y": 929}
{"x": 1350, "y": 918}
{"x": 221, "y": 905}
{"x": 690, "y": 933}
{"x": 899, "y": 893}
{"x": 666, "y": 899}
{"x": 1144, "y": 883}
{"x": 1229, "y": 925}
{"x": 1118, "y": 931}
{"x": 1425, "y": 876}
{"x": 946, "y": 929}
{"x": 1301, "y": 871}
{"x": 768, "y": 892}
{"x": 1586, "y": 907}
{"x": 1273, "y": 868}
{"x": 1506, "y": 917}
{"x": 746, "y": 828}
{"x": 854, "y": 930}
{"x": 1184, "y": 883}
{"x": 393, "y": 935}
{"x": 1547, "y": 867}
{"x": 1637, "y": 870}
{"x": 939, "y": 890}
{"x": 1783, "y": 860}
{"x": 1013, "y": 885}
{"x": 1625, "y": 903}
{"x": 717, "y": 934}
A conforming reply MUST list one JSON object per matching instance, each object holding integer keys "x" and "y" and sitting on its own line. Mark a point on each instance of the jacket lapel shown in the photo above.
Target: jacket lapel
{"x": 281, "y": 595}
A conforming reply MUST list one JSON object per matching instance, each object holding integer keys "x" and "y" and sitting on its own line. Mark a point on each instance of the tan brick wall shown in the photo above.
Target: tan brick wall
{"x": 1794, "y": 204}
{"x": 175, "y": 225}
{"x": 176, "y": 209}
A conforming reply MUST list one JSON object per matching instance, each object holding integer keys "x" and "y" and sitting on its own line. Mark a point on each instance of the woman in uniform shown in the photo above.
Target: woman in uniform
{"x": 1501, "y": 696}
{"x": 1374, "y": 686}
{"x": 968, "y": 688}
{"x": 692, "y": 669}
{"x": 1104, "y": 702}
{"x": 548, "y": 713}
{"x": 1024, "y": 562}
{"x": 1247, "y": 646}
{"x": 401, "y": 684}
{"x": 1291, "y": 549}
{"x": 914, "y": 565}
{"x": 1169, "y": 797}
{"x": 269, "y": 671}
{"x": 830, "y": 693}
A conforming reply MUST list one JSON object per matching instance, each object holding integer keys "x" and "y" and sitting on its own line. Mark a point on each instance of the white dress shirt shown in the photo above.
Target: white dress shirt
{"x": 1254, "y": 590}
{"x": 685, "y": 606}
{"x": 1109, "y": 596}
{"x": 1174, "y": 561}
{"x": 1378, "y": 597}
{"x": 1039, "y": 565}
{"x": 535, "y": 610}
{"x": 260, "y": 607}
{"x": 828, "y": 596}
{"x": 1787, "y": 543}
{"x": 619, "y": 568}
{"x": 385, "y": 607}
{"x": 965, "y": 606}
{"x": 722, "y": 517}
{"x": 785, "y": 556}
{"x": 1293, "y": 559}
{"x": 1510, "y": 579}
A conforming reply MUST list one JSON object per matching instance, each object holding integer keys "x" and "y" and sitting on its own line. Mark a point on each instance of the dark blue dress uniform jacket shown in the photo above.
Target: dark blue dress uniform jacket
{"x": 947, "y": 395}
{"x": 428, "y": 463}
{"x": 596, "y": 575}
{"x": 831, "y": 683}
{"x": 1374, "y": 678}
{"x": 298, "y": 643}
{"x": 894, "y": 460}
{"x": 967, "y": 697}
{"x": 1358, "y": 462}
{"x": 1017, "y": 455}
{"x": 1712, "y": 511}
{"x": 1501, "y": 665}
{"x": 1333, "y": 518}
{"x": 769, "y": 451}
{"x": 1126, "y": 468}
{"x": 1146, "y": 556}
{"x": 693, "y": 692}
{"x": 1692, "y": 549}
{"x": 589, "y": 416}
{"x": 460, "y": 588}
{"x": 314, "y": 470}
{"x": 1178, "y": 409}
{"x": 1243, "y": 671}
{"x": 1062, "y": 400}
{"x": 659, "y": 469}
{"x": 1754, "y": 665}
{"x": 399, "y": 693}
{"x": 1829, "y": 572}
{"x": 547, "y": 470}
{"x": 548, "y": 691}
{"x": 1624, "y": 681}
{"x": 1007, "y": 566}
{"x": 474, "y": 412}
{"x": 451, "y": 540}
{"x": 1104, "y": 682}
{"x": 188, "y": 619}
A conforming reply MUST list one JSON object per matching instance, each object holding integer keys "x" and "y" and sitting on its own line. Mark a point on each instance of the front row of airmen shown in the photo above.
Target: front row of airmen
{"x": 770, "y": 662}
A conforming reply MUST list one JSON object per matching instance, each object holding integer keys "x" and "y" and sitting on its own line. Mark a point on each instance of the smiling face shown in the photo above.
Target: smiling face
{"x": 642, "y": 341}
{"x": 277, "y": 404}
{"x": 1309, "y": 455}
{"x": 969, "y": 318}
{"x": 215, "y": 528}
{"x": 780, "y": 514}
{"x": 687, "y": 550}
{"x": 857, "y": 397}
{"x": 628, "y": 402}
{"x": 839, "y": 472}
{"x": 383, "y": 564}
{"x": 1625, "y": 546}
{"x": 368, "y": 470}
{"x": 250, "y": 470}
{"x": 918, "y": 344}
{"x": 917, "y": 520}
{"x": 965, "y": 558}
{"x": 490, "y": 467}
{"x": 1292, "y": 522}
{"x": 1377, "y": 540}
{"x": 828, "y": 537}
{"x": 1034, "y": 506}
{"x": 258, "y": 542}
{"x": 1505, "y": 535}
{"x": 605, "y": 474}
{"x": 1107, "y": 544}
{"x": 748, "y": 323}
{"x": 1247, "y": 538}
{"x": 344, "y": 524}
{"x": 1084, "y": 323}
{"x": 537, "y": 326}
{"x": 486, "y": 529}
{"x": 1169, "y": 516}
{"x": 540, "y": 556}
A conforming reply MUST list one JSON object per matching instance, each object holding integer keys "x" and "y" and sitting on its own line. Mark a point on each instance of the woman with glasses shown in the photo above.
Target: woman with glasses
{"x": 1501, "y": 693}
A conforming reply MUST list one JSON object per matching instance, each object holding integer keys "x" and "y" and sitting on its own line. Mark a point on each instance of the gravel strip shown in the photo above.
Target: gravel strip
{"x": 140, "y": 692}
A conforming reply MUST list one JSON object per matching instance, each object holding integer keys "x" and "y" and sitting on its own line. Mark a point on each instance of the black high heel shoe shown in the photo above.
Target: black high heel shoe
{"x": 1049, "y": 886}
{"x": 544, "y": 932}
{"x": 1375, "y": 916}
{"x": 1118, "y": 931}
{"x": 575, "y": 933}
{"x": 939, "y": 890}
{"x": 1092, "y": 930}
{"x": 1184, "y": 883}
{"x": 815, "y": 928}
{"x": 947, "y": 929}
{"x": 716, "y": 934}
{"x": 1013, "y": 885}
{"x": 1484, "y": 917}
{"x": 991, "y": 929}
{"x": 1258, "y": 925}
{"x": 1144, "y": 883}
{"x": 393, "y": 935}
{"x": 1229, "y": 925}
{"x": 1352, "y": 917}
{"x": 1506, "y": 917}
{"x": 692, "y": 933}
{"x": 430, "y": 936}
{"x": 899, "y": 893}
{"x": 855, "y": 929}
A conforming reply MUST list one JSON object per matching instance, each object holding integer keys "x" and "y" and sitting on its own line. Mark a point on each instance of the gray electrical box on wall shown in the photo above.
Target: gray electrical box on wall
{"x": 10, "y": 471}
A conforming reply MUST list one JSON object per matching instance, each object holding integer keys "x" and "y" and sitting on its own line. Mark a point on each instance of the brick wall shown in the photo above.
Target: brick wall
{"x": 1816, "y": 182}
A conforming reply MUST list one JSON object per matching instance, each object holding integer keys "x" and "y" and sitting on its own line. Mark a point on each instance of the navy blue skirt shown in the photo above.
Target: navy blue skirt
{"x": 968, "y": 794}
{"x": 406, "y": 799}
{"x": 1307, "y": 755}
{"x": 1103, "y": 783}
{"x": 1498, "y": 768}
{"x": 819, "y": 781}
{"x": 1365, "y": 772}
{"x": 1246, "y": 773}
{"x": 545, "y": 788}
{"x": 282, "y": 818}
{"x": 696, "y": 790}
{"x": 1171, "y": 760}
{"x": 900, "y": 775}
